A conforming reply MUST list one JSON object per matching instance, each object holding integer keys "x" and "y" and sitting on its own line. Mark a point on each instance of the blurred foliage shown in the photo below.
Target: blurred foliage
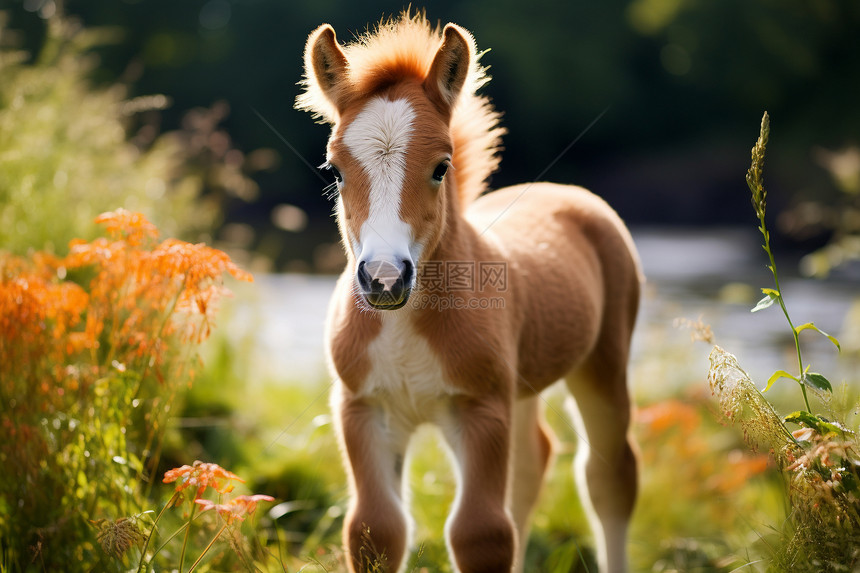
{"x": 69, "y": 151}
{"x": 681, "y": 79}
{"x": 837, "y": 221}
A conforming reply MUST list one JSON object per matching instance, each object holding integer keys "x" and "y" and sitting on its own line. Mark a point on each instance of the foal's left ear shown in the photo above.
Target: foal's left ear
{"x": 450, "y": 67}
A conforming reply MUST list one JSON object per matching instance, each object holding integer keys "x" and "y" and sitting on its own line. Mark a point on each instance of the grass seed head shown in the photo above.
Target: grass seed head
{"x": 117, "y": 537}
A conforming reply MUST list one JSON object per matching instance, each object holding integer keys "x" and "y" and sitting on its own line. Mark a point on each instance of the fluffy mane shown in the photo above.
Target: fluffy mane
{"x": 402, "y": 48}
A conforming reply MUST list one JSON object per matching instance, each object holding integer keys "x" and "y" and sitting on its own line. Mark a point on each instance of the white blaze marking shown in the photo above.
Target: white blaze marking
{"x": 378, "y": 138}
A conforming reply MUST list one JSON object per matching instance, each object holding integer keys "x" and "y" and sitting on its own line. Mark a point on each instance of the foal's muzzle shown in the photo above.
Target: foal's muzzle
{"x": 385, "y": 285}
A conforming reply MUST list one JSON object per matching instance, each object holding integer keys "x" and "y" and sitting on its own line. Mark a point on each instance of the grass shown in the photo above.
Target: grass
{"x": 820, "y": 461}
{"x": 706, "y": 504}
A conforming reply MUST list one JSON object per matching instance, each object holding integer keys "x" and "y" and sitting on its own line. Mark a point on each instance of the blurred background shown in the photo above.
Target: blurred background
{"x": 183, "y": 110}
{"x": 683, "y": 86}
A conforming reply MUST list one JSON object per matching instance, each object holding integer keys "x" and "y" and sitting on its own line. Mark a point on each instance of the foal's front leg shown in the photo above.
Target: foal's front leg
{"x": 376, "y": 529}
{"x": 480, "y": 532}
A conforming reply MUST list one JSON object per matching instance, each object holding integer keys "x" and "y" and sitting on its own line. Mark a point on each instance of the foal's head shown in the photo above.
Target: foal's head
{"x": 390, "y": 149}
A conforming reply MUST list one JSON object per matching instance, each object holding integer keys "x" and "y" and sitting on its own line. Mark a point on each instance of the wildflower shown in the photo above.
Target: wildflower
{"x": 83, "y": 341}
{"x": 237, "y": 508}
{"x": 133, "y": 226}
{"x": 699, "y": 331}
{"x": 201, "y": 475}
{"x": 662, "y": 416}
{"x": 117, "y": 537}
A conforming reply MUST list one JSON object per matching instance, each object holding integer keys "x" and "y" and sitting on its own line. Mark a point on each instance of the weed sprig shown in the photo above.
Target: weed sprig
{"x": 755, "y": 182}
{"x": 819, "y": 461}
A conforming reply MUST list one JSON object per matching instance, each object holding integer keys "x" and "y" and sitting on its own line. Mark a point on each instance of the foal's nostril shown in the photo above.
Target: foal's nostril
{"x": 408, "y": 271}
{"x": 364, "y": 279}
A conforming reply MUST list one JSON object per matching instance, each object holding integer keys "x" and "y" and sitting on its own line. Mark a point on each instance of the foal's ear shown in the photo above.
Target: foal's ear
{"x": 450, "y": 67}
{"x": 326, "y": 65}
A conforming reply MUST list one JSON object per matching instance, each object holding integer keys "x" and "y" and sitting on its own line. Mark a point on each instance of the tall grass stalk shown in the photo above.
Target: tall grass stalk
{"x": 759, "y": 201}
{"x": 821, "y": 460}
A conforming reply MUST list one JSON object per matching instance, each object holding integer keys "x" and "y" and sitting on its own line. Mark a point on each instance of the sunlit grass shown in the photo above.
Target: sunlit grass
{"x": 705, "y": 503}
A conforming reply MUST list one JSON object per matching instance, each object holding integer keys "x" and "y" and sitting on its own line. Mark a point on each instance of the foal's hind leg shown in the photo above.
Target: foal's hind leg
{"x": 531, "y": 451}
{"x": 605, "y": 462}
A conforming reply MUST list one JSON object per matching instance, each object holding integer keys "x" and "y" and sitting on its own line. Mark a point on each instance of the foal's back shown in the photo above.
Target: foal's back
{"x": 569, "y": 256}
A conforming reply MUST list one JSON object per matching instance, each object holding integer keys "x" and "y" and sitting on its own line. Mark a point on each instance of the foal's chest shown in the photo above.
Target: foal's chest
{"x": 406, "y": 375}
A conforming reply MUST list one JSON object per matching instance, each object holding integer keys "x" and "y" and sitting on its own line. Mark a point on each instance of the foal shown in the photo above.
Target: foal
{"x": 410, "y": 342}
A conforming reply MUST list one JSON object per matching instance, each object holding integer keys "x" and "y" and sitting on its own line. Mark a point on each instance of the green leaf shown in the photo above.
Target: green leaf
{"x": 768, "y": 300}
{"x": 811, "y": 326}
{"x": 802, "y": 418}
{"x": 828, "y": 426}
{"x": 849, "y": 482}
{"x": 817, "y": 381}
{"x": 776, "y": 376}
{"x": 821, "y": 425}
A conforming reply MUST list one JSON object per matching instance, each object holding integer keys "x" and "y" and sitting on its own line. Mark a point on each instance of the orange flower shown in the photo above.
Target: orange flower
{"x": 661, "y": 416}
{"x": 739, "y": 468}
{"x": 132, "y": 226}
{"x": 202, "y": 475}
{"x": 237, "y": 508}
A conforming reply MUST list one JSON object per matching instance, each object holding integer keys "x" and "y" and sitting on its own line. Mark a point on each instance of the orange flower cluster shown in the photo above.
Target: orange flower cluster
{"x": 133, "y": 227}
{"x": 38, "y": 313}
{"x": 140, "y": 294}
{"x": 144, "y": 281}
{"x": 237, "y": 508}
{"x": 202, "y": 475}
{"x": 98, "y": 343}
{"x": 676, "y": 426}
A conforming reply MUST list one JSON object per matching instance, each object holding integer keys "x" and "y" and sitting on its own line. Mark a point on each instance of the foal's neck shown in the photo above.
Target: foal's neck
{"x": 459, "y": 238}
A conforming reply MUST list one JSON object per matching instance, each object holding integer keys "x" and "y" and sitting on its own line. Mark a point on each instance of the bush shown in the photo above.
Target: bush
{"x": 69, "y": 150}
{"x": 97, "y": 348}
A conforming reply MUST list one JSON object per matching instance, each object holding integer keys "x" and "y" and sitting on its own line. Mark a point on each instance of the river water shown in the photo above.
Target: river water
{"x": 713, "y": 275}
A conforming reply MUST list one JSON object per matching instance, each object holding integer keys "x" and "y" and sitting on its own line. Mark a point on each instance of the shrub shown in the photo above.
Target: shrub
{"x": 96, "y": 347}
{"x": 70, "y": 150}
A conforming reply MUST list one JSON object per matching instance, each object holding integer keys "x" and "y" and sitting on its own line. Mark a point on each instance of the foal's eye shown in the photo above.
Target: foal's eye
{"x": 337, "y": 176}
{"x": 440, "y": 171}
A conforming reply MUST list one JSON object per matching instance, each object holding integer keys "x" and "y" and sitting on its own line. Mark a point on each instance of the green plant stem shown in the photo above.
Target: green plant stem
{"x": 779, "y": 299}
{"x": 185, "y": 541}
{"x": 206, "y": 550}
{"x": 182, "y": 528}
{"x": 152, "y": 532}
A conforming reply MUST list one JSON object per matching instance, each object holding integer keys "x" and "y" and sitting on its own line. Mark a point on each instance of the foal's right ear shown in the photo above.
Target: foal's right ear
{"x": 325, "y": 73}
{"x": 450, "y": 67}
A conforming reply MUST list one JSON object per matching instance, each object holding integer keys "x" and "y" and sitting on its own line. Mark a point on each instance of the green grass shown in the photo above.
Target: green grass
{"x": 700, "y": 508}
